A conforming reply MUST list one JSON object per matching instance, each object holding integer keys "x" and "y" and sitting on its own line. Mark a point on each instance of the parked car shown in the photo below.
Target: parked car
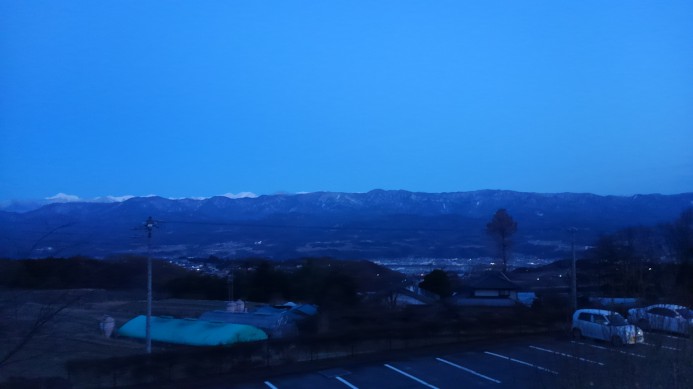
{"x": 605, "y": 325}
{"x": 664, "y": 317}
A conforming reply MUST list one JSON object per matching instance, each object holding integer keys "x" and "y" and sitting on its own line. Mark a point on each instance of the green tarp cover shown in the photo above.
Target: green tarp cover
{"x": 191, "y": 331}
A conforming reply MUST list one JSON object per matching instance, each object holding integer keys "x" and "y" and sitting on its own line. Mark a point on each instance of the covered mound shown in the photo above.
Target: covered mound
{"x": 192, "y": 331}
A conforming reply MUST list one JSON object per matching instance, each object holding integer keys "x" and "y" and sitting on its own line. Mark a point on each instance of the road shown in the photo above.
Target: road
{"x": 664, "y": 361}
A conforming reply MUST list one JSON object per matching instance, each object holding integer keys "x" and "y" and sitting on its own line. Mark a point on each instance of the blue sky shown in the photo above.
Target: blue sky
{"x": 200, "y": 98}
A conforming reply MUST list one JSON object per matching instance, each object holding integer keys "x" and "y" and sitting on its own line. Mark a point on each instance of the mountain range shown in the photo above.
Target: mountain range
{"x": 376, "y": 224}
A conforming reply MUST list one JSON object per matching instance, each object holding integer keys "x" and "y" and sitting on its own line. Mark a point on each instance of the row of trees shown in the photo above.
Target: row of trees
{"x": 326, "y": 282}
{"x": 313, "y": 281}
{"x": 647, "y": 261}
{"x": 636, "y": 261}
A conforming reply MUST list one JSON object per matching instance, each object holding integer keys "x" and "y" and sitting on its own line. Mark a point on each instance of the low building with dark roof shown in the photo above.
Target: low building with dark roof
{"x": 491, "y": 290}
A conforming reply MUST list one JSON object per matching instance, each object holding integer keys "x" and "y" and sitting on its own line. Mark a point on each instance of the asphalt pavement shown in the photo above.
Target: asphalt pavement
{"x": 663, "y": 361}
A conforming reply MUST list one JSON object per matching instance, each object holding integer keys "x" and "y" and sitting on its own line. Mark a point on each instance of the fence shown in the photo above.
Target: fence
{"x": 190, "y": 363}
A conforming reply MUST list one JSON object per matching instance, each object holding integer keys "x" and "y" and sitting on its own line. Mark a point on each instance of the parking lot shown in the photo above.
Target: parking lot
{"x": 663, "y": 361}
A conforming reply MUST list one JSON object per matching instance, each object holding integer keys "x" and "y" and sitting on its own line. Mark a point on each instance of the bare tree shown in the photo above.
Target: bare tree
{"x": 47, "y": 313}
{"x": 501, "y": 228}
{"x": 680, "y": 236}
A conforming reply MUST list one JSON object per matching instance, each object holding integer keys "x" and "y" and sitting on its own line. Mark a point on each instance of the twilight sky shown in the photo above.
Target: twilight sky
{"x": 201, "y": 98}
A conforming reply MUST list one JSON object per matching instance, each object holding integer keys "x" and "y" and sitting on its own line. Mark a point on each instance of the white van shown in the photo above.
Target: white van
{"x": 605, "y": 325}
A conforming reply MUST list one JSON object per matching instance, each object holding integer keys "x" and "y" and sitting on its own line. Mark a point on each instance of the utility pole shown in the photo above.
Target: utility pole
{"x": 229, "y": 281}
{"x": 573, "y": 271}
{"x": 149, "y": 224}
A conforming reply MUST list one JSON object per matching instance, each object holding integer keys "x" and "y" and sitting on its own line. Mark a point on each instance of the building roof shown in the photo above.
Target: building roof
{"x": 192, "y": 331}
{"x": 494, "y": 281}
{"x": 264, "y": 320}
{"x": 421, "y": 295}
{"x": 272, "y": 320}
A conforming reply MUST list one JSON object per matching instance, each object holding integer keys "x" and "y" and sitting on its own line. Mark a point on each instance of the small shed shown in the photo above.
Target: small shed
{"x": 277, "y": 321}
{"x": 191, "y": 332}
{"x": 413, "y": 296}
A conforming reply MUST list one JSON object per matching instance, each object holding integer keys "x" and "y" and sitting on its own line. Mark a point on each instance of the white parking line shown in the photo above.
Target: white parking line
{"x": 667, "y": 336}
{"x": 662, "y": 346}
{"x": 608, "y": 349}
{"x": 345, "y": 382}
{"x": 411, "y": 376}
{"x": 269, "y": 384}
{"x": 468, "y": 370}
{"x": 566, "y": 355}
{"x": 521, "y": 362}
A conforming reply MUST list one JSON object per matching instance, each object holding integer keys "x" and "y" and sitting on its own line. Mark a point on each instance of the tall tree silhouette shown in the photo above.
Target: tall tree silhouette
{"x": 501, "y": 228}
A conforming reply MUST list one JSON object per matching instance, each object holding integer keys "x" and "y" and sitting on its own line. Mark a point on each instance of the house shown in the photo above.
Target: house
{"x": 494, "y": 285}
{"x": 492, "y": 290}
